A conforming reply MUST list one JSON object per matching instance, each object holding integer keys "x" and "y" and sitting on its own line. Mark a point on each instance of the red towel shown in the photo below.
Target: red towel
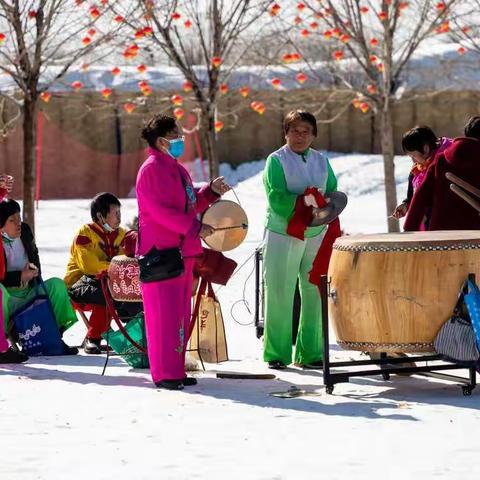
{"x": 301, "y": 219}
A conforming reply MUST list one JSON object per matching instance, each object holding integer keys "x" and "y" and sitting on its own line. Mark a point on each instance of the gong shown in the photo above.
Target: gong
{"x": 230, "y": 223}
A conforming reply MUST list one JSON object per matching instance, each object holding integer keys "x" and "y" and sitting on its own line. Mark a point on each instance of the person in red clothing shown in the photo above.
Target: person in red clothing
{"x": 446, "y": 210}
{"x": 7, "y": 354}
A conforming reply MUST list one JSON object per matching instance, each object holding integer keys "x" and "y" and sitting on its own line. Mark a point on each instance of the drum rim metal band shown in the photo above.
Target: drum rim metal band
{"x": 388, "y": 347}
{"x": 404, "y": 248}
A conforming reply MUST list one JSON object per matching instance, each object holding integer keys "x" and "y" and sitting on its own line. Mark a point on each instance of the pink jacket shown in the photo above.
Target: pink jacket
{"x": 168, "y": 205}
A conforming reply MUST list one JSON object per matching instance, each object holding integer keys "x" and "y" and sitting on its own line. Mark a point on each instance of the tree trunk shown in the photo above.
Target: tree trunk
{"x": 29, "y": 160}
{"x": 211, "y": 141}
{"x": 388, "y": 152}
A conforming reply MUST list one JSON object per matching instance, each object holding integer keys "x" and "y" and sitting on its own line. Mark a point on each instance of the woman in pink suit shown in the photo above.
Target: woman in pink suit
{"x": 168, "y": 206}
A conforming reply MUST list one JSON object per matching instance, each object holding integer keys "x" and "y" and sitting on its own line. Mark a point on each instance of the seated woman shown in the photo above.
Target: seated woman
{"x": 7, "y": 354}
{"x": 22, "y": 266}
{"x": 93, "y": 248}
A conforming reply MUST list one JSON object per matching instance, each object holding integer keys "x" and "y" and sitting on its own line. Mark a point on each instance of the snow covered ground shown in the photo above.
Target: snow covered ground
{"x": 59, "y": 418}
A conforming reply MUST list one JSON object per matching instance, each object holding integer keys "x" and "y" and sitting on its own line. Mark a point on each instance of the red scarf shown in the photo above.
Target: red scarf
{"x": 302, "y": 217}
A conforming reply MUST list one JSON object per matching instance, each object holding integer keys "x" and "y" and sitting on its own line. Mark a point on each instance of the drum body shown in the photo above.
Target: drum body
{"x": 123, "y": 279}
{"x": 393, "y": 292}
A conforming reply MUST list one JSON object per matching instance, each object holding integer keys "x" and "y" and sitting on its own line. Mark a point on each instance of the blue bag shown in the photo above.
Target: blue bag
{"x": 36, "y": 327}
{"x": 472, "y": 300}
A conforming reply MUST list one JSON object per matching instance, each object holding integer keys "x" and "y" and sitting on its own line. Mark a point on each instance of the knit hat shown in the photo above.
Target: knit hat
{"x": 8, "y": 207}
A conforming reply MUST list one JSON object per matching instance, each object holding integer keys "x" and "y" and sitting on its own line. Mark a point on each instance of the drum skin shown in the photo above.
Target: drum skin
{"x": 123, "y": 279}
{"x": 393, "y": 292}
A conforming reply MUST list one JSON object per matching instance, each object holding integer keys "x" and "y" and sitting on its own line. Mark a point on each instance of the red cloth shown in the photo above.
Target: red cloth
{"x": 99, "y": 320}
{"x": 301, "y": 219}
{"x": 447, "y": 210}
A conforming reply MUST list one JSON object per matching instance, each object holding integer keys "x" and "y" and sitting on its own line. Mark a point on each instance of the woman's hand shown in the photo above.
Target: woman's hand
{"x": 29, "y": 272}
{"x": 206, "y": 230}
{"x": 219, "y": 186}
{"x": 400, "y": 211}
{"x": 6, "y": 182}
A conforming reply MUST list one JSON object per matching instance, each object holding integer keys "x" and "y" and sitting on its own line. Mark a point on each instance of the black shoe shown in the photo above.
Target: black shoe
{"x": 318, "y": 365}
{"x": 276, "y": 365}
{"x": 170, "y": 384}
{"x": 12, "y": 356}
{"x": 91, "y": 346}
{"x": 189, "y": 381}
{"x": 67, "y": 350}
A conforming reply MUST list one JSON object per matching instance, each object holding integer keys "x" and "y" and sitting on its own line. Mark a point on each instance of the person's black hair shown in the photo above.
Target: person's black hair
{"x": 302, "y": 115}
{"x": 472, "y": 128}
{"x": 8, "y": 207}
{"x": 415, "y": 139}
{"x": 101, "y": 203}
{"x": 158, "y": 126}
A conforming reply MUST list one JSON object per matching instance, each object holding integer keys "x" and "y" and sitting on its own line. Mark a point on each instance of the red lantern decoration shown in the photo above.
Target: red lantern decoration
{"x": 244, "y": 92}
{"x": 118, "y": 19}
{"x": 115, "y": 71}
{"x": 223, "y": 88}
{"x": 301, "y": 78}
{"x": 2, "y": 38}
{"x": 178, "y": 113}
{"x": 188, "y": 23}
{"x": 86, "y": 41}
{"x": 374, "y": 42}
{"x": 364, "y": 107}
{"x": 129, "y": 107}
{"x": 216, "y": 62}
{"x": 371, "y": 88}
{"x": 141, "y": 68}
{"x": 277, "y": 83}
{"x": 275, "y": 9}
{"x": 187, "y": 86}
{"x": 338, "y": 55}
{"x": 46, "y": 96}
{"x": 461, "y": 50}
{"x": 106, "y": 92}
{"x": 177, "y": 99}
{"x": 176, "y": 16}
{"x": 94, "y": 12}
{"x": 77, "y": 85}
{"x": 218, "y": 126}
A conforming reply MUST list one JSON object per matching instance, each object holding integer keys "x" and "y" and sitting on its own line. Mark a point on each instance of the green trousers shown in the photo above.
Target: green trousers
{"x": 15, "y": 298}
{"x": 286, "y": 259}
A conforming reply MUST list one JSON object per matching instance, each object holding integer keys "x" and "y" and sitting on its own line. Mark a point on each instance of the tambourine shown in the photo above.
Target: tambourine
{"x": 230, "y": 223}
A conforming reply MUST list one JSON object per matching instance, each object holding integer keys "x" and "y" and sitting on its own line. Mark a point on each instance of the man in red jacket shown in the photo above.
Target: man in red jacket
{"x": 448, "y": 211}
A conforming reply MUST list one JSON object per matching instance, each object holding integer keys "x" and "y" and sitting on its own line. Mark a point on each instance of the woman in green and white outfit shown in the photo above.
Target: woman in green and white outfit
{"x": 288, "y": 172}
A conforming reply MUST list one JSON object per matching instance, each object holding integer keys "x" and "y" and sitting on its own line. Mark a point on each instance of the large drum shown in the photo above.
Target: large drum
{"x": 123, "y": 279}
{"x": 393, "y": 292}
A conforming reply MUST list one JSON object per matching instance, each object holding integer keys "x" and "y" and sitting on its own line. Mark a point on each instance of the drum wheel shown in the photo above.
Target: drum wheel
{"x": 329, "y": 389}
{"x": 467, "y": 390}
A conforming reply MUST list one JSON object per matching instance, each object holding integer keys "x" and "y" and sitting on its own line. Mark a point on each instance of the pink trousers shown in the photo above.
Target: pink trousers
{"x": 3, "y": 341}
{"x": 168, "y": 306}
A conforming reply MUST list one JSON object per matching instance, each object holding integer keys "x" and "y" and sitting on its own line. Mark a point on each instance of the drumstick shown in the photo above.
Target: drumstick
{"x": 471, "y": 201}
{"x": 243, "y": 225}
{"x": 462, "y": 183}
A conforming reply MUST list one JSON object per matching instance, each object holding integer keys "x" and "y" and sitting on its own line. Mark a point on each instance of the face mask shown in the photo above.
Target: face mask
{"x": 176, "y": 147}
{"x": 107, "y": 227}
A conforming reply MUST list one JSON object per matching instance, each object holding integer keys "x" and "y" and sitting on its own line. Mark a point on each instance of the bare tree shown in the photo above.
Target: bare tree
{"x": 204, "y": 39}
{"x": 41, "y": 41}
{"x": 370, "y": 43}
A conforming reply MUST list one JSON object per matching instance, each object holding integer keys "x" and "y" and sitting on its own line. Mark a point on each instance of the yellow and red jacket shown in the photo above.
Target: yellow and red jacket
{"x": 92, "y": 250}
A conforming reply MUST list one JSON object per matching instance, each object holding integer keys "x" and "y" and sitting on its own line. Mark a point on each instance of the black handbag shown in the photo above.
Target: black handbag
{"x": 158, "y": 265}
